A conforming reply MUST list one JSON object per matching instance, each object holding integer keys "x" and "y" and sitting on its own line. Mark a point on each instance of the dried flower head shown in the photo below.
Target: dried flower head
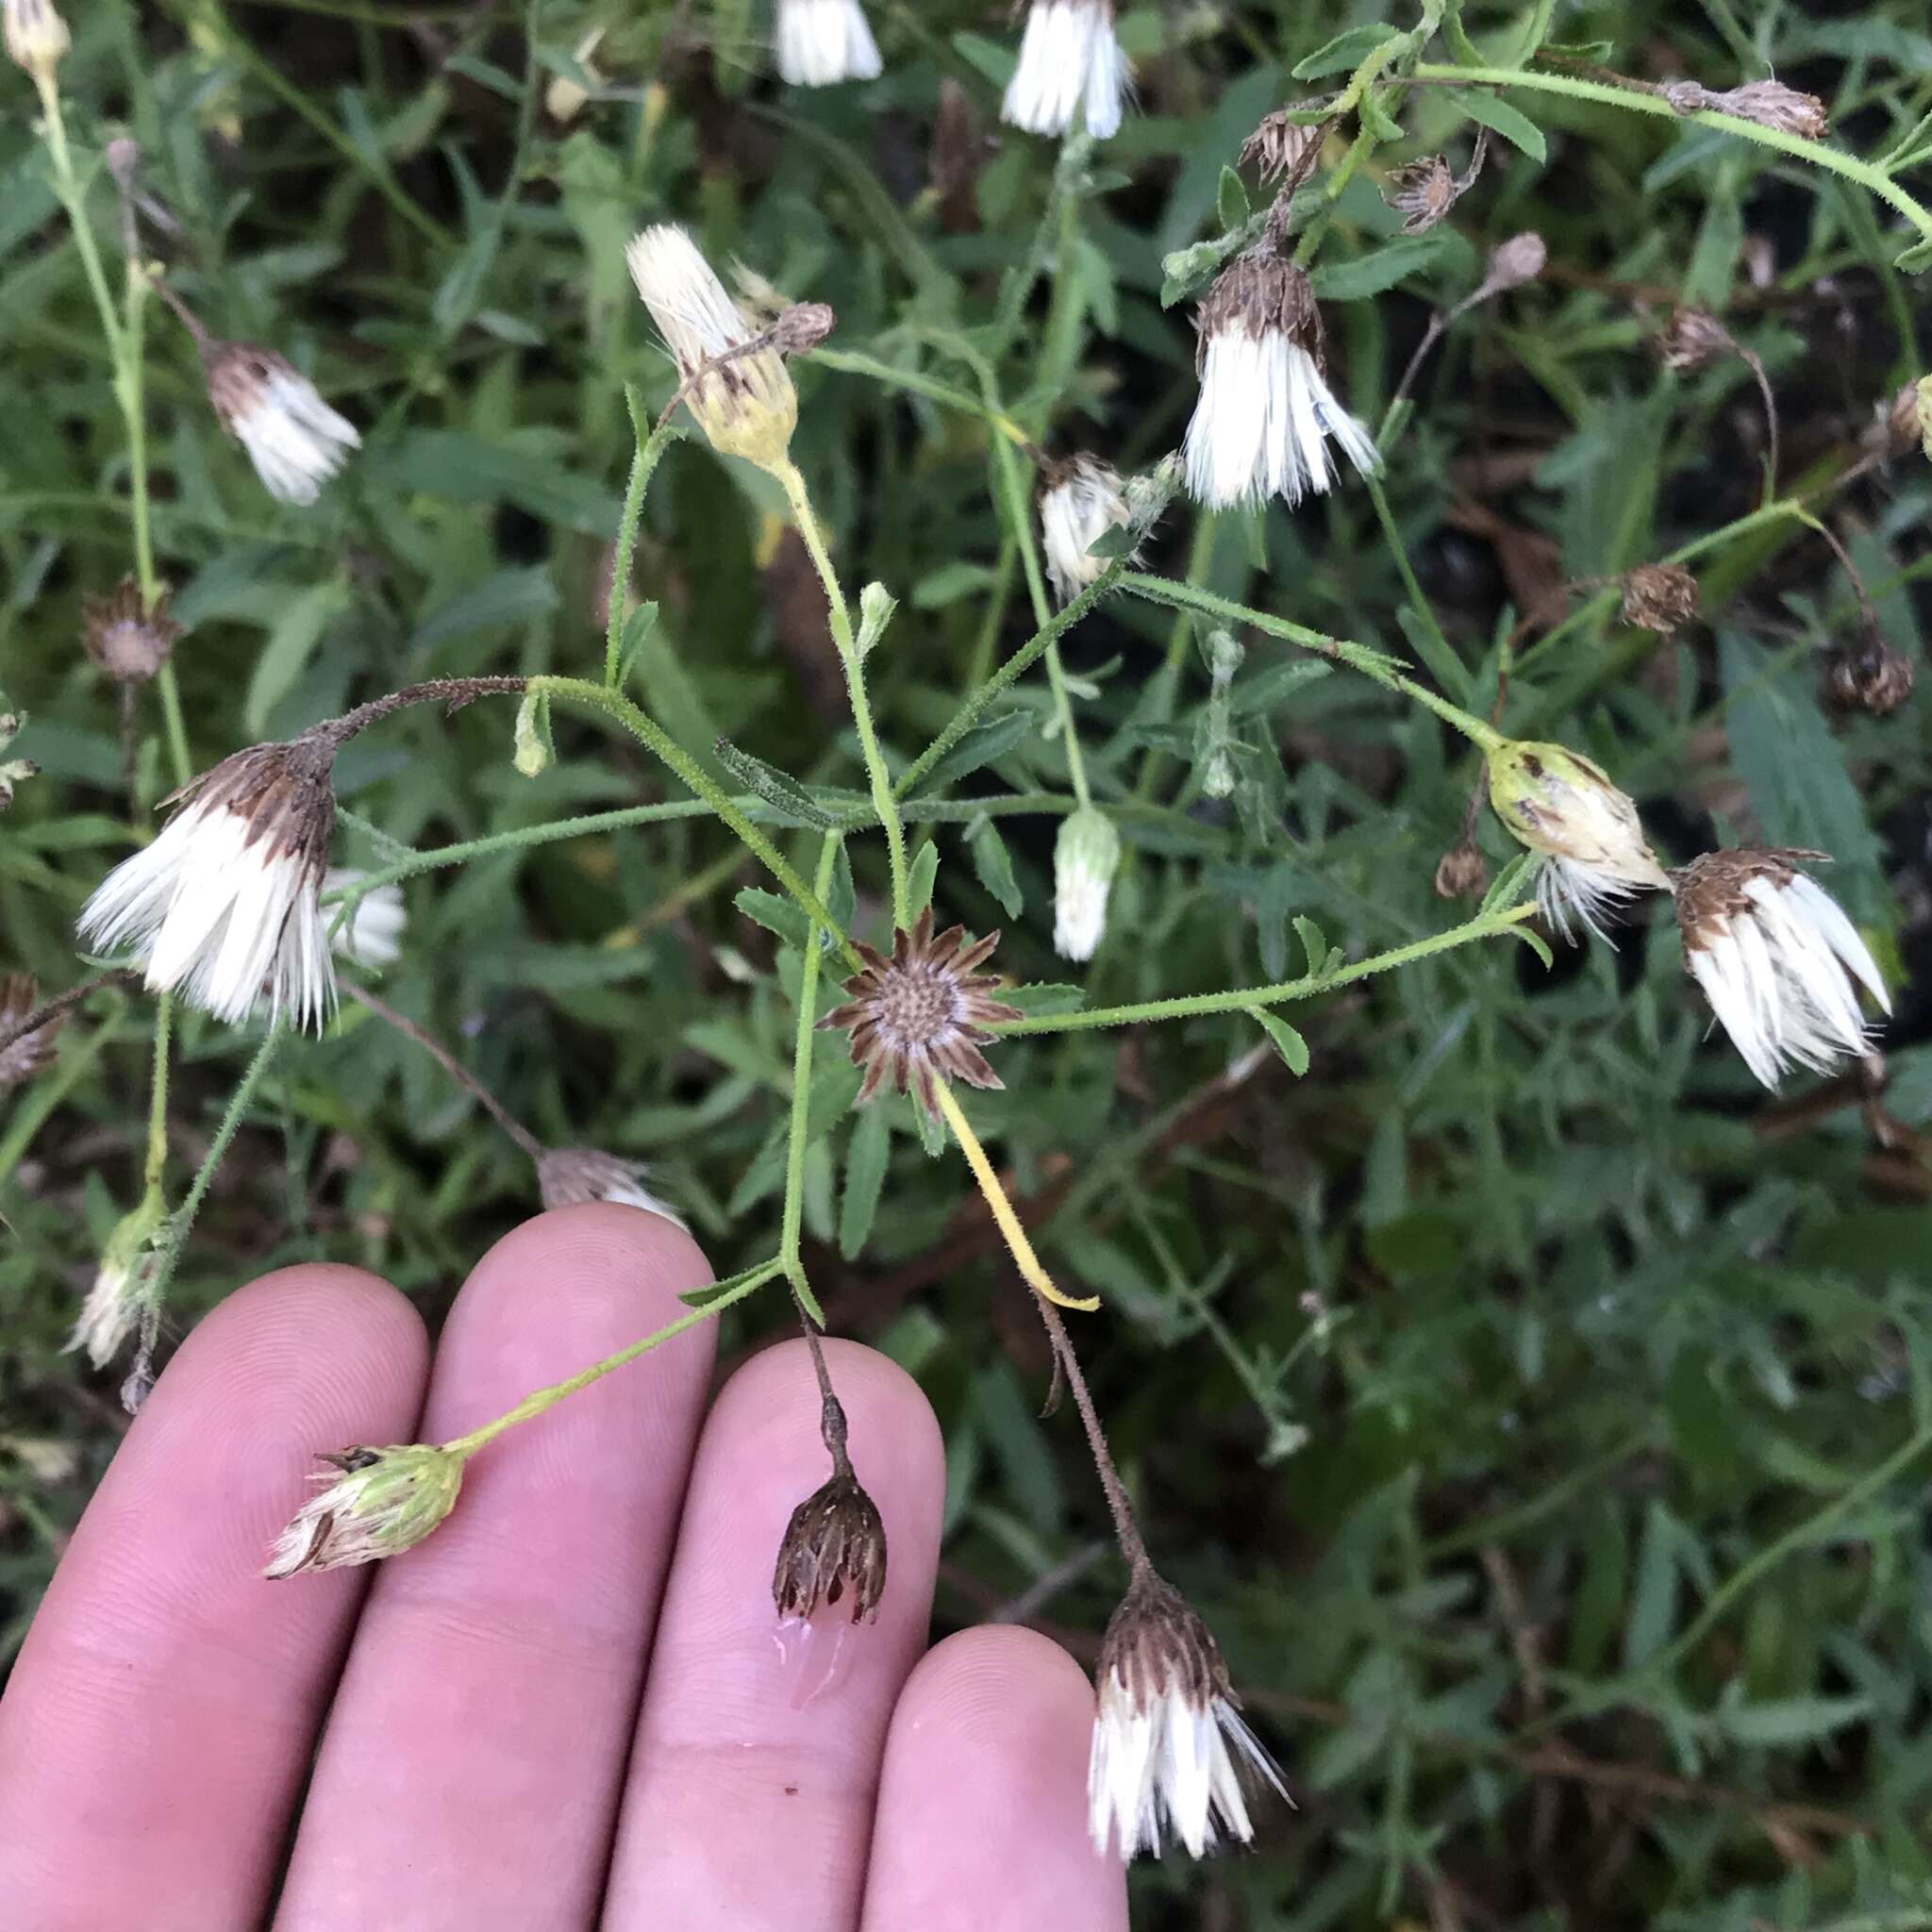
{"x": 1868, "y": 675}
{"x": 569, "y": 1176}
{"x": 1592, "y": 846}
{"x": 1080, "y": 500}
{"x": 1764, "y": 103}
{"x": 1284, "y": 150}
{"x": 127, "y": 640}
{"x": 380, "y": 1503}
{"x": 833, "y": 1549}
{"x": 36, "y": 37}
{"x": 740, "y": 396}
{"x": 821, "y": 42}
{"x": 1513, "y": 262}
{"x": 24, "y": 1056}
{"x": 1069, "y": 62}
{"x": 119, "y": 1300}
{"x": 801, "y": 326}
{"x": 1170, "y": 1749}
{"x": 1659, "y": 596}
{"x": 1777, "y": 960}
{"x": 1086, "y": 855}
{"x": 295, "y": 439}
{"x": 920, "y": 1016}
{"x": 1266, "y": 413}
{"x": 13, "y": 771}
{"x": 1461, "y": 872}
{"x": 1423, "y": 192}
{"x": 372, "y": 935}
{"x": 1692, "y": 339}
{"x": 225, "y": 902}
{"x": 564, "y": 98}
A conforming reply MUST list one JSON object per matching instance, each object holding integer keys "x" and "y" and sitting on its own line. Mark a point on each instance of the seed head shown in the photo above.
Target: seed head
{"x": 1461, "y": 872}
{"x": 1069, "y": 64}
{"x": 821, "y": 42}
{"x": 1511, "y": 263}
{"x": 127, "y": 640}
{"x": 920, "y": 1016}
{"x": 1080, "y": 500}
{"x": 1284, "y": 150}
{"x": 833, "y": 1548}
{"x": 1765, "y": 103}
{"x": 295, "y": 439}
{"x": 118, "y": 1301}
{"x": 380, "y": 1503}
{"x": 1692, "y": 339}
{"x": 1868, "y": 675}
{"x": 569, "y": 1176}
{"x": 22, "y": 1058}
{"x": 1423, "y": 192}
{"x": 1661, "y": 597}
{"x": 36, "y": 37}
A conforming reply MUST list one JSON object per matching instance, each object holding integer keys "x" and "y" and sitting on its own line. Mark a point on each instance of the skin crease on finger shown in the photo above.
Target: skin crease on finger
{"x": 159, "y": 1720}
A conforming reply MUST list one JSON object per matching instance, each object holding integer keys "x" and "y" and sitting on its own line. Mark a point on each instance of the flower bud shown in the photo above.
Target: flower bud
{"x": 36, "y": 37}
{"x": 1661, "y": 597}
{"x": 835, "y": 1543}
{"x": 1513, "y": 262}
{"x": 124, "y": 1283}
{"x": 380, "y": 1503}
{"x": 531, "y": 735}
{"x": 1591, "y": 842}
{"x": 1086, "y": 855}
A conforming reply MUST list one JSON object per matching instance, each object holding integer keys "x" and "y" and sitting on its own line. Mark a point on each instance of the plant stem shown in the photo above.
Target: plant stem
{"x": 791, "y": 1237}
{"x": 875, "y": 769}
{"x": 1186, "y": 1006}
{"x": 1356, "y": 656}
{"x": 1035, "y": 1276}
{"x": 648, "y": 732}
{"x": 651, "y": 445}
{"x": 156, "y": 1161}
{"x": 1870, "y": 176}
{"x": 1126, "y": 1531}
{"x": 538, "y": 1400}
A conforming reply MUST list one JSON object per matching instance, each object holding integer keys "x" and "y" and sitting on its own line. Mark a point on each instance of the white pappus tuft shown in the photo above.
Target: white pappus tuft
{"x": 821, "y": 42}
{"x": 1080, "y": 500}
{"x": 1777, "y": 959}
{"x": 295, "y": 439}
{"x": 1070, "y": 61}
{"x": 1266, "y": 414}
{"x": 1086, "y": 855}
{"x": 371, "y": 934}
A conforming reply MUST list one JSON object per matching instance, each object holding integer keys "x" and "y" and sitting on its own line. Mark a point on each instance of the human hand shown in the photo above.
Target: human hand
{"x": 457, "y": 1740}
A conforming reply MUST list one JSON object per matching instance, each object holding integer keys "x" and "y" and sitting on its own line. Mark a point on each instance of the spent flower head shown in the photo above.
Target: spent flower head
{"x": 1777, "y": 959}
{"x": 1659, "y": 596}
{"x": 833, "y": 1551}
{"x": 129, "y": 641}
{"x": 1765, "y": 103}
{"x": 295, "y": 439}
{"x": 731, "y": 377}
{"x": 1520, "y": 258}
{"x": 1866, "y": 674}
{"x": 569, "y": 1176}
{"x": 1266, "y": 414}
{"x": 1423, "y": 192}
{"x": 1591, "y": 840}
{"x": 377, "y": 1503}
{"x": 1170, "y": 1750}
{"x": 120, "y": 1299}
{"x": 821, "y": 42}
{"x": 21, "y": 1058}
{"x": 1070, "y": 64}
{"x": 1086, "y": 855}
{"x": 1462, "y": 872}
{"x": 36, "y": 37}
{"x": 1080, "y": 500}
{"x": 225, "y": 902}
{"x": 921, "y": 1016}
{"x": 1283, "y": 149}
{"x": 1691, "y": 340}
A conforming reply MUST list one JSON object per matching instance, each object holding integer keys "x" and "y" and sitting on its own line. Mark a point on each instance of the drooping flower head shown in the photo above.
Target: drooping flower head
{"x": 1691, "y": 339}
{"x": 295, "y": 439}
{"x": 1266, "y": 414}
{"x": 118, "y": 1301}
{"x": 1086, "y": 855}
{"x": 1768, "y": 102}
{"x": 1777, "y": 959}
{"x": 1283, "y": 148}
{"x": 1080, "y": 500}
{"x": 1588, "y": 832}
{"x": 380, "y": 1503}
{"x": 1865, "y": 674}
{"x": 742, "y": 399}
{"x": 36, "y": 37}
{"x": 821, "y": 42}
{"x": 128, "y": 641}
{"x": 24, "y": 1056}
{"x": 1170, "y": 1749}
{"x": 225, "y": 902}
{"x": 1659, "y": 596}
{"x": 1070, "y": 61}
{"x": 569, "y": 1176}
{"x": 920, "y": 1016}
{"x": 833, "y": 1550}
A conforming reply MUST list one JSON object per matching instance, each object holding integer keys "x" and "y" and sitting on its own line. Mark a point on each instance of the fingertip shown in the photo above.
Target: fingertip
{"x": 967, "y": 1685}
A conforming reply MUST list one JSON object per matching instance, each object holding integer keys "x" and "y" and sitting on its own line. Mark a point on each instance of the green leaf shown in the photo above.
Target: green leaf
{"x": 632, "y": 640}
{"x": 461, "y": 468}
{"x": 508, "y": 597}
{"x": 1792, "y": 1720}
{"x": 1044, "y": 996}
{"x": 951, "y": 581}
{"x": 990, "y": 740}
{"x": 779, "y": 790}
{"x": 1292, "y": 1048}
{"x": 867, "y": 1157}
{"x": 1382, "y": 268}
{"x": 1231, "y": 199}
{"x": 918, "y": 878}
{"x": 994, "y": 866}
{"x": 1314, "y": 945}
{"x": 775, "y": 913}
{"x": 296, "y": 633}
{"x": 1346, "y": 51}
{"x": 1499, "y": 117}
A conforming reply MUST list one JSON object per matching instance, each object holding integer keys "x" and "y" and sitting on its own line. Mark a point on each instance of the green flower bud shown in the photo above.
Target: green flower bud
{"x": 122, "y": 1282}
{"x": 1085, "y": 859}
{"x": 383, "y": 1502}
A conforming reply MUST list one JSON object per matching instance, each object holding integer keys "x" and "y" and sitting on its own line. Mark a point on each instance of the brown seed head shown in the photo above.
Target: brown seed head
{"x": 284, "y": 793}
{"x": 803, "y": 327}
{"x": 1868, "y": 675}
{"x": 1462, "y": 872}
{"x": 1661, "y": 597}
{"x": 1710, "y": 890}
{"x": 1421, "y": 193}
{"x": 127, "y": 641}
{"x": 1692, "y": 339}
{"x": 238, "y": 376}
{"x": 1513, "y": 262}
{"x": 1258, "y": 291}
{"x": 921, "y": 1016}
{"x": 834, "y": 1544}
{"x": 1156, "y": 1642}
{"x": 1283, "y": 150}
{"x": 22, "y": 1058}
{"x": 1765, "y": 103}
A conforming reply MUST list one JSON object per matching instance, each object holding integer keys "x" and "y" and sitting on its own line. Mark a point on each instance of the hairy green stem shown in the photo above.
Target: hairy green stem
{"x": 651, "y": 445}
{"x": 790, "y": 1241}
{"x": 157, "y": 1160}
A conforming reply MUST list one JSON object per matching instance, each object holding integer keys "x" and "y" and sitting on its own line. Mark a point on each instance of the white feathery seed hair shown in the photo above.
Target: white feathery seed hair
{"x": 821, "y": 42}
{"x": 1080, "y": 500}
{"x": 1777, "y": 959}
{"x": 1070, "y": 60}
{"x": 1266, "y": 413}
{"x": 295, "y": 439}
{"x": 372, "y": 935}
{"x": 225, "y": 904}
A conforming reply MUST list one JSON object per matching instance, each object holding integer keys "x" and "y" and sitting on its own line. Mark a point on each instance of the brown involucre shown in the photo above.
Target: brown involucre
{"x": 22, "y": 1058}
{"x": 128, "y": 641}
{"x": 835, "y": 1545}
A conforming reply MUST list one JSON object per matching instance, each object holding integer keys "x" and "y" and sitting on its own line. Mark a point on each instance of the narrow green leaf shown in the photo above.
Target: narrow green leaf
{"x": 1289, "y": 1044}
{"x": 1499, "y": 117}
{"x": 779, "y": 790}
{"x": 867, "y": 1157}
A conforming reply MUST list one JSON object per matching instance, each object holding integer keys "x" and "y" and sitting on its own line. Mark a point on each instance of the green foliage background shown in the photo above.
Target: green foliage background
{"x": 1537, "y": 1413}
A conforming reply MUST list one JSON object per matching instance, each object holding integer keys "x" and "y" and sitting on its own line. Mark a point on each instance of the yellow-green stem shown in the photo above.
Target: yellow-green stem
{"x": 790, "y": 1241}
{"x": 1028, "y": 1263}
{"x": 157, "y": 1160}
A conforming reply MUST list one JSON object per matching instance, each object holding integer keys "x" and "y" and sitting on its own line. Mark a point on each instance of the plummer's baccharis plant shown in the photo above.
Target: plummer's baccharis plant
{"x": 1777, "y": 959}
{"x": 821, "y": 42}
{"x": 376, "y": 1503}
{"x": 1266, "y": 414}
{"x": 1071, "y": 65}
